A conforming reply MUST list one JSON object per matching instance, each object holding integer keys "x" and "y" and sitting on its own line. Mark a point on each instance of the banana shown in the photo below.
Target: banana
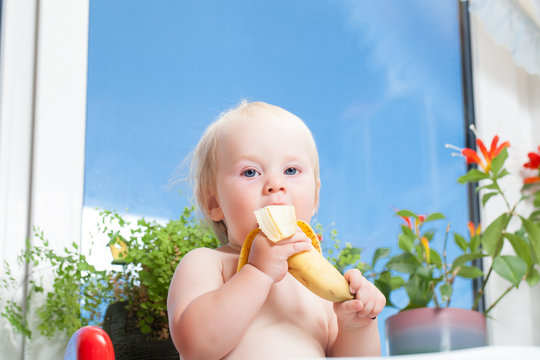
{"x": 310, "y": 268}
{"x": 277, "y": 222}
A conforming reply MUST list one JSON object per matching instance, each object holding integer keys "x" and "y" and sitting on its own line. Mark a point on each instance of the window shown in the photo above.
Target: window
{"x": 378, "y": 83}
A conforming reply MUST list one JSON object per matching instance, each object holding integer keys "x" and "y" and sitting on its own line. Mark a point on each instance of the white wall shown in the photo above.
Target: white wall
{"x": 507, "y": 102}
{"x": 42, "y": 132}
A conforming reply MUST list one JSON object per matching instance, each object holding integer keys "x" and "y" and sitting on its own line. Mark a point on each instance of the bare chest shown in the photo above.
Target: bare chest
{"x": 292, "y": 316}
{"x": 293, "y": 323}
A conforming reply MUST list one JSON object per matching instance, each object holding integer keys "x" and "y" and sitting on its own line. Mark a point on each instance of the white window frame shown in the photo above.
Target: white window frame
{"x": 43, "y": 71}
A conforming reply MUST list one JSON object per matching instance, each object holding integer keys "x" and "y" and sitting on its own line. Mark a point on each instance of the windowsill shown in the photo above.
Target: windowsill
{"x": 486, "y": 352}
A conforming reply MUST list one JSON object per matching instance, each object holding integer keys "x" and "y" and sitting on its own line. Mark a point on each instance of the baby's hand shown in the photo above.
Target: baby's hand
{"x": 368, "y": 302}
{"x": 271, "y": 258}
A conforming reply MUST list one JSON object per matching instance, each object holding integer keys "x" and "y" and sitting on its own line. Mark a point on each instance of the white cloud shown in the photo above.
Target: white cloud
{"x": 94, "y": 243}
{"x": 391, "y": 30}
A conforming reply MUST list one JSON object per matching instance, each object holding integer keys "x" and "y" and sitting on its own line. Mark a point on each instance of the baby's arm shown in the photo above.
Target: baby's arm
{"x": 357, "y": 333}
{"x": 208, "y": 317}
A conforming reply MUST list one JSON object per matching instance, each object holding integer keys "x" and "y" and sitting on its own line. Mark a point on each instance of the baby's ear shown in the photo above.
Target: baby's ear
{"x": 214, "y": 209}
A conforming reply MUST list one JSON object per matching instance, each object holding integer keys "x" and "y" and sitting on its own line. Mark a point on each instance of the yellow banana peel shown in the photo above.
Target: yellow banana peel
{"x": 310, "y": 268}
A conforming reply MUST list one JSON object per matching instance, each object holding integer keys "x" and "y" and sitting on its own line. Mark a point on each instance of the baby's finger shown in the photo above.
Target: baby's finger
{"x": 290, "y": 248}
{"x": 374, "y": 306}
{"x": 354, "y": 278}
{"x": 299, "y": 235}
{"x": 368, "y": 310}
{"x": 348, "y": 307}
{"x": 379, "y": 305}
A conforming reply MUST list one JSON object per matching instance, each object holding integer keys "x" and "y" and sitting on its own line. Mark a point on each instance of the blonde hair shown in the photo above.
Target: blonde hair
{"x": 203, "y": 161}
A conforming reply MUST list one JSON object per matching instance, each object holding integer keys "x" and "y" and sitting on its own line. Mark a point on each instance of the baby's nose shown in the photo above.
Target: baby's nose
{"x": 275, "y": 189}
{"x": 274, "y": 185}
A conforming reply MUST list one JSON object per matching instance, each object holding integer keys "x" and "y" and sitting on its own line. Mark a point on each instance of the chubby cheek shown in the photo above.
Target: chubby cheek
{"x": 238, "y": 207}
{"x": 304, "y": 201}
{"x": 240, "y": 223}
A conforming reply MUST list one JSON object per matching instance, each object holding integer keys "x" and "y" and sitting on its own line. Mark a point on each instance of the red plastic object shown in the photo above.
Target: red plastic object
{"x": 89, "y": 343}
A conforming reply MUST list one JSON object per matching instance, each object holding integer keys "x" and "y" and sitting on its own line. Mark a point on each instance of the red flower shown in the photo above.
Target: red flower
{"x": 473, "y": 230}
{"x": 472, "y": 156}
{"x": 407, "y": 220}
{"x": 531, "y": 180}
{"x": 417, "y": 222}
{"x": 534, "y": 160}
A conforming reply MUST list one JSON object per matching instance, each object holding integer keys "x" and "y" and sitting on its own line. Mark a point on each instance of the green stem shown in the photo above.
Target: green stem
{"x": 503, "y": 195}
{"x": 451, "y": 282}
{"x": 447, "y": 280}
{"x": 435, "y": 296}
{"x": 499, "y": 299}
{"x": 497, "y": 250}
{"x": 481, "y": 291}
{"x": 445, "y": 269}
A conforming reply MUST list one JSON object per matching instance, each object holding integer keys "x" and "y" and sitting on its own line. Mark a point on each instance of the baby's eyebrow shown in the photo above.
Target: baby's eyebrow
{"x": 246, "y": 157}
{"x": 297, "y": 159}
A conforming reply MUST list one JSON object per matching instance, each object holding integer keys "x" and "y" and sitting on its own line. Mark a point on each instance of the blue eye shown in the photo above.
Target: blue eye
{"x": 249, "y": 173}
{"x": 291, "y": 171}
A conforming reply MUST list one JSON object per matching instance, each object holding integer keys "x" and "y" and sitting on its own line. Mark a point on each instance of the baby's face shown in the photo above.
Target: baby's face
{"x": 262, "y": 161}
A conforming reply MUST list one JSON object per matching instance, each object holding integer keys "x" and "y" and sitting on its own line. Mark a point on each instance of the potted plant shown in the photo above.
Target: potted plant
{"x": 428, "y": 322}
{"x": 133, "y": 294}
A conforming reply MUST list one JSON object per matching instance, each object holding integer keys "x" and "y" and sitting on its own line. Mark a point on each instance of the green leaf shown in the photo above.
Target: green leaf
{"x": 487, "y": 196}
{"x": 491, "y": 239}
{"x": 386, "y": 283}
{"x": 503, "y": 173}
{"x": 428, "y": 235}
{"x": 407, "y": 231}
{"x": 533, "y": 278}
{"x": 419, "y": 292}
{"x": 465, "y": 258}
{"x": 521, "y": 247}
{"x": 446, "y": 291}
{"x": 512, "y": 268}
{"x": 498, "y": 162}
{"x": 536, "y": 201}
{"x": 379, "y": 254}
{"x": 435, "y": 258}
{"x": 434, "y": 216}
{"x": 405, "y": 242}
{"x": 535, "y": 215}
{"x": 472, "y": 176}
{"x": 474, "y": 243}
{"x": 461, "y": 242}
{"x": 396, "y": 282}
{"x": 534, "y": 237}
{"x": 145, "y": 329}
{"x": 492, "y": 186}
{"x": 406, "y": 213}
{"x": 425, "y": 273}
{"x": 406, "y": 263}
{"x": 469, "y": 272}
{"x": 384, "y": 288}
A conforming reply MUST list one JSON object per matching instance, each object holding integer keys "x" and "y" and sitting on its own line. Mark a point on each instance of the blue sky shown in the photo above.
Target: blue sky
{"x": 378, "y": 82}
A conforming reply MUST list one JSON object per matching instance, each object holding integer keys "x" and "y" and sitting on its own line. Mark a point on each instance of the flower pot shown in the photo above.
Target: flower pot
{"x": 426, "y": 330}
{"x": 128, "y": 341}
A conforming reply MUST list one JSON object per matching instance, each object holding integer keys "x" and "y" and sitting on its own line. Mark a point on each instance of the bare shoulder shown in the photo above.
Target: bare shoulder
{"x": 208, "y": 261}
{"x": 201, "y": 254}
{"x": 200, "y": 264}
{"x": 199, "y": 271}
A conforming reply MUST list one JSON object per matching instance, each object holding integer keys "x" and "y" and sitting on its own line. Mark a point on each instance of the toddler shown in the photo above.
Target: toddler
{"x": 256, "y": 155}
